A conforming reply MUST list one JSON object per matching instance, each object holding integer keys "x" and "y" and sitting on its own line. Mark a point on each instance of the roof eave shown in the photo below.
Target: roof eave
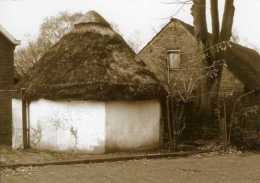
{"x": 16, "y": 42}
{"x": 9, "y": 36}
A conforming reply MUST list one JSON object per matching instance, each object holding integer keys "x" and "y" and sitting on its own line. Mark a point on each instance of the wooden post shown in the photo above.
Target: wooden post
{"x": 173, "y": 121}
{"x": 169, "y": 121}
{"x": 24, "y": 120}
{"x": 225, "y": 126}
{"x": 28, "y": 123}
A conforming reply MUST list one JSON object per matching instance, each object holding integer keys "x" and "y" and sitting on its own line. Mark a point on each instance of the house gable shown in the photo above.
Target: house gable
{"x": 172, "y": 36}
{"x": 179, "y": 35}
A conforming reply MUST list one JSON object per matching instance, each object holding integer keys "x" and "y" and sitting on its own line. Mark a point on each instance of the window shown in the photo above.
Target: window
{"x": 174, "y": 59}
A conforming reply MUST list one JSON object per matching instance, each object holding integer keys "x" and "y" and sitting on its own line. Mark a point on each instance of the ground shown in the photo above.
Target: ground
{"x": 9, "y": 156}
{"x": 206, "y": 168}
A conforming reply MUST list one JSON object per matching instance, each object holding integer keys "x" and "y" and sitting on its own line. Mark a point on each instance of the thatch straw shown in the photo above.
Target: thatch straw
{"x": 244, "y": 63}
{"x": 91, "y": 17}
{"x": 93, "y": 63}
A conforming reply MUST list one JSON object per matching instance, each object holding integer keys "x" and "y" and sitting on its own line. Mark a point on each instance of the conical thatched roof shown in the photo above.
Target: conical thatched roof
{"x": 92, "y": 17}
{"x": 92, "y": 62}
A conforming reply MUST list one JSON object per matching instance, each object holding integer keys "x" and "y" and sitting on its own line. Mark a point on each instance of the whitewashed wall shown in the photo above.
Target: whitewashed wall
{"x": 63, "y": 125}
{"x": 17, "y": 124}
{"x": 89, "y": 126}
{"x": 132, "y": 125}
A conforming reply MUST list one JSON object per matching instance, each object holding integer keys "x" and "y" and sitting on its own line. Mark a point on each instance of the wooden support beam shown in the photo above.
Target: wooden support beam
{"x": 173, "y": 122}
{"x": 24, "y": 120}
{"x": 168, "y": 109}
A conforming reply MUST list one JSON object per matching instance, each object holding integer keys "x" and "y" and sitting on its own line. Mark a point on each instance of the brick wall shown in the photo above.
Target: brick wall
{"x": 176, "y": 36}
{"x": 6, "y": 82}
{"x": 173, "y": 36}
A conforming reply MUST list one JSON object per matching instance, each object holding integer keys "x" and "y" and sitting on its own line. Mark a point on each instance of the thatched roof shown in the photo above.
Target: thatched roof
{"x": 91, "y": 62}
{"x": 244, "y": 63}
{"x": 92, "y": 17}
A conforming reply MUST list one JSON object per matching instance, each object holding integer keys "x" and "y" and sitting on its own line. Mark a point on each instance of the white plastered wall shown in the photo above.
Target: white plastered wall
{"x": 89, "y": 126}
{"x": 132, "y": 125}
{"x": 17, "y": 124}
{"x": 63, "y": 125}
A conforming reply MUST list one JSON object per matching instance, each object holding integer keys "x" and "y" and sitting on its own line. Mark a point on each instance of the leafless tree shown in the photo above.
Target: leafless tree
{"x": 134, "y": 40}
{"x": 51, "y": 30}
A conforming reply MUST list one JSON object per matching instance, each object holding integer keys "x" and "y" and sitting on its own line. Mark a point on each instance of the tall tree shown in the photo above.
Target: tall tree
{"x": 211, "y": 85}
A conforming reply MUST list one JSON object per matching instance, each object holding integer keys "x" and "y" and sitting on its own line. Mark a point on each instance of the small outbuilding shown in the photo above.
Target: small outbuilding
{"x": 7, "y": 47}
{"x": 89, "y": 93}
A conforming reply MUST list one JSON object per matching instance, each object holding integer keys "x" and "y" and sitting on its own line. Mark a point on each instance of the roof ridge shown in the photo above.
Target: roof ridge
{"x": 186, "y": 25}
{"x": 92, "y": 17}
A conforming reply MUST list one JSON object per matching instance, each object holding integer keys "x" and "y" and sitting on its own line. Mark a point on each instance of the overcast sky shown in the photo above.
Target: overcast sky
{"x": 135, "y": 18}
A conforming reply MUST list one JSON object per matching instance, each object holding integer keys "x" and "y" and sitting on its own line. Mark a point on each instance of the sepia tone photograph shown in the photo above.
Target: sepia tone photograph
{"x": 140, "y": 91}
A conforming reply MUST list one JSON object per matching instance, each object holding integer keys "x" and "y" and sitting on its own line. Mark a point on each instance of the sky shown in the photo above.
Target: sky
{"x": 136, "y": 19}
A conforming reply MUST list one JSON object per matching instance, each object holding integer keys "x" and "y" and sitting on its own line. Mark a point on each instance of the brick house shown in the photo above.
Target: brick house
{"x": 177, "y": 35}
{"x": 7, "y": 46}
{"x": 242, "y": 71}
{"x": 241, "y": 74}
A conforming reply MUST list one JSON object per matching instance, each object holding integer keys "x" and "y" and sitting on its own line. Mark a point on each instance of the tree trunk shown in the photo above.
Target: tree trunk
{"x": 199, "y": 20}
{"x": 227, "y": 22}
{"x": 214, "y": 83}
{"x": 201, "y": 32}
{"x": 225, "y": 35}
{"x": 210, "y": 87}
{"x": 215, "y": 21}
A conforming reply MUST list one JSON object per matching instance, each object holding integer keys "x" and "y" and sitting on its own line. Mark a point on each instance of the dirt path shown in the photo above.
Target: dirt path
{"x": 196, "y": 169}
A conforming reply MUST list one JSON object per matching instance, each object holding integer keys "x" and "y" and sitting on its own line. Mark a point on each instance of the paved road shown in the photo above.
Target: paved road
{"x": 205, "y": 169}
